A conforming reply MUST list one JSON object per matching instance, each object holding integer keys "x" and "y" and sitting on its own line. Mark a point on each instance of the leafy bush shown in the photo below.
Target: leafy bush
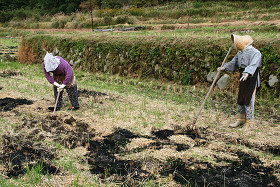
{"x": 168, "y": 27}
{"x": 135, "y": 11}
{"x": 59, "y": 24}
{"x": 186, "y": 61}
{"x": 122, "y": 19}
{"x": 108, "y": 20}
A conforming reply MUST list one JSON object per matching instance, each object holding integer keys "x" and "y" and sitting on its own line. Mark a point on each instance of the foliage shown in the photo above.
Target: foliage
{"x": 270, "y": 58}
{"x": 175, "y": 9}
{"x": 184, "y": 61}
{"x": 22, "y": 9}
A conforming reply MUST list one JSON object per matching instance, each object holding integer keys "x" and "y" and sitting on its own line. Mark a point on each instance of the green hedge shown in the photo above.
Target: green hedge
{"x": 181, "y": 60}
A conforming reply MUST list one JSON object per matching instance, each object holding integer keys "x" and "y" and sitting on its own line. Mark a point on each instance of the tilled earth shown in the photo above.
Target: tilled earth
{"x": 112, "y": 158}
{"x": 106, "y": 154}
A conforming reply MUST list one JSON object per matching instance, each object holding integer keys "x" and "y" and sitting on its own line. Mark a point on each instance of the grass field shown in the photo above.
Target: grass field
{"x": 127, "y": 132}
{"x": 131, "y": 131}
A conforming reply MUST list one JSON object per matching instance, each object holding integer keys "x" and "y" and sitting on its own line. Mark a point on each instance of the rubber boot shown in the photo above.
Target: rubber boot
{"x": 241, "y": 119}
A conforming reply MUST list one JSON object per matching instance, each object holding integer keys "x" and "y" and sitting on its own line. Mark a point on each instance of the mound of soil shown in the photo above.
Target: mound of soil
{"x": 8, "y": 104}
{"x": 19, "y": 153}
{"x": 68, "y": 132}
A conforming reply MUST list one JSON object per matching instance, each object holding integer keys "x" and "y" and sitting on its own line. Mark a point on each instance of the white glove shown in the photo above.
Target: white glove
{"x": 61, "y": 87}
{"x": 221, "y": 68}
{"x": 244, "y": 76}
{"x": 56, "y": 84}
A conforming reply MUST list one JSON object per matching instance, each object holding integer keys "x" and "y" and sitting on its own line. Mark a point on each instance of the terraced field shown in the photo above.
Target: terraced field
{"x": 128, "y": 132}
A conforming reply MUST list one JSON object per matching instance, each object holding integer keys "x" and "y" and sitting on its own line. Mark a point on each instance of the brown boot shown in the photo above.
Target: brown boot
{"x": 241, "y": 119}
{"x": 249, "y": 124}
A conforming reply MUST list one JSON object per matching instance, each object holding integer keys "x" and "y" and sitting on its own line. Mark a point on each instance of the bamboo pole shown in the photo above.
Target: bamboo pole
{"x": 216, "y": 78}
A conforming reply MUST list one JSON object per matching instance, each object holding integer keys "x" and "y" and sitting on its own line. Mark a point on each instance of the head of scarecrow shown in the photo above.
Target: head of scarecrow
{"x": 241, "y": 42}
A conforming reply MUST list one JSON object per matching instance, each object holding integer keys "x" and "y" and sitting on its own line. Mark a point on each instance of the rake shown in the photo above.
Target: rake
{"x": 192, "y": 125}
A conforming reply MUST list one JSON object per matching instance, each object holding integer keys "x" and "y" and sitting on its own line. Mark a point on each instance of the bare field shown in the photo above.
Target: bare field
{"x": 127, "y": 133}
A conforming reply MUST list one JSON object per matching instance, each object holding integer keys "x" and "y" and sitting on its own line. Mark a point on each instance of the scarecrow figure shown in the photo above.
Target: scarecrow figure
{"x": 248, "y": 60}
{"x": 63, "y": 77}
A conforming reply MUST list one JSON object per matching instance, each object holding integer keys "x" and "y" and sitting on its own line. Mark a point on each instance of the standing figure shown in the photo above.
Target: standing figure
{"x": 248, "y": 60}
{"x": 63, "y": 77}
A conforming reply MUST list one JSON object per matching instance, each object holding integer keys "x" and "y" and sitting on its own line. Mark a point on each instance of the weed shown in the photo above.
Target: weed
{"x": 34, "y": 173}
{"x": 76, "y": 182}
{"x": 3, "y": 182}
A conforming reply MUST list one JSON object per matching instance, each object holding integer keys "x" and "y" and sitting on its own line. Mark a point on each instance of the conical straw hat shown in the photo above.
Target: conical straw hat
{"x": 241, "y": 41}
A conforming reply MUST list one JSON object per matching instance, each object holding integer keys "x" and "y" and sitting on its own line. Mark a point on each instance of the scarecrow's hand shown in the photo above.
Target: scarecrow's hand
{"x": 56, "y": 84}
{"x": 221, "y": 68}
{"x": 61, "y": 87}
{"x": 244, "y": 76}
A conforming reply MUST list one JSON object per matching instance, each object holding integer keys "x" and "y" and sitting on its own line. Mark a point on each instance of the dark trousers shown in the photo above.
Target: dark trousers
{"x": 72, "y": 94}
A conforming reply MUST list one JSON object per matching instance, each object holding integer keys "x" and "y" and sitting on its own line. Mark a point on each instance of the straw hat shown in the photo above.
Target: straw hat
{"x": 241, "y": 42}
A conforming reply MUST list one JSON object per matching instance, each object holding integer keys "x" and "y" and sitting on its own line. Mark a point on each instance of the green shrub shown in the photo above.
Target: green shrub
{"x": 168, "y": 27}
{"x": 59, "y": 24}
{"x": 186, "y": 61}
{"x": 122, "y": 19}
{"x": 55, "y": 24}
{"x": 135, "y": 11}
{"x": 108, "y": 20}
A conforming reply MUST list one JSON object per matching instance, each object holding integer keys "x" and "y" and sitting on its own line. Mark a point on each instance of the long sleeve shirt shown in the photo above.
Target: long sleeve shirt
{"x": 63, "y": 68}
{"x": 249, "y": 59}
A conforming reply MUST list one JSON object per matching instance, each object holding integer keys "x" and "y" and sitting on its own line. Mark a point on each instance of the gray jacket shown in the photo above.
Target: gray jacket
{"x": 249, "y": 58}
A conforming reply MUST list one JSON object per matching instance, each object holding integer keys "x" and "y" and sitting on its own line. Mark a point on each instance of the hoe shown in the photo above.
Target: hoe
{"x": 58, "y": 93}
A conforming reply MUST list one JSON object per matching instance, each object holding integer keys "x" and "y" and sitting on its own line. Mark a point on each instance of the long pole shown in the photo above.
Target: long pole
{"x": 216, "y": 78}
{"x": 58, "y": 93}
{"x": 91, "y": 15}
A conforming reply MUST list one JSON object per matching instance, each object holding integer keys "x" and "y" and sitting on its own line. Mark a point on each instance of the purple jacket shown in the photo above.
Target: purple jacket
{"x": 63, "y": 69}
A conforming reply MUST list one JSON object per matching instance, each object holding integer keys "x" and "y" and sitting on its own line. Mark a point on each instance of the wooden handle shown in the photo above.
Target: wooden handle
{"x": 56, "y": 102}
{"x": 216, "y": 78}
